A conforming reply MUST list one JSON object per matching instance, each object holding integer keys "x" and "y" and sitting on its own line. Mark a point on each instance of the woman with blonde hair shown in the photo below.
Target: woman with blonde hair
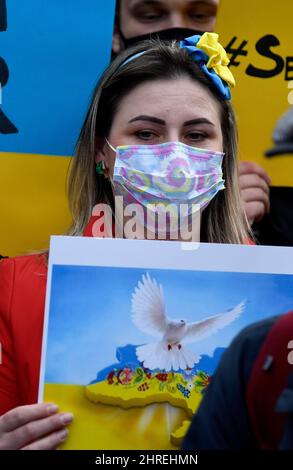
{"x": 160, "y": 129}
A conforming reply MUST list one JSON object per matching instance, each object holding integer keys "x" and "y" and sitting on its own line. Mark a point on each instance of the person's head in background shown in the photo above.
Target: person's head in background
{"x": 135, "y": 19}
{"x": 160, "y": 96}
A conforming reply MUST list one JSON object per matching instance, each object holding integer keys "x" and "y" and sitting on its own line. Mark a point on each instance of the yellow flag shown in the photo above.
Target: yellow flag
{"x": 258, "y": 39}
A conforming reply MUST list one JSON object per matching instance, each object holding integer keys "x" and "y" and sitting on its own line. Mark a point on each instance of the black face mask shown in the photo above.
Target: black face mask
{"x": 165, "y": 35}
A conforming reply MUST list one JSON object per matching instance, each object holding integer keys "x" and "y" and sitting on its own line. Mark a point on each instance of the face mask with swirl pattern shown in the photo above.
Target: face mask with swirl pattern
{"x": 169, "y": 173}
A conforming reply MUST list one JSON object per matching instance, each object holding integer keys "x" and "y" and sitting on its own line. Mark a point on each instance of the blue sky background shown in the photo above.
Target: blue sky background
{"x": 90, "y": 311}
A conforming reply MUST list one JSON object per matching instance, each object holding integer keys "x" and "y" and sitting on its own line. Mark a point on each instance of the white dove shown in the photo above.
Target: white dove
{"x": 169, "y": 352}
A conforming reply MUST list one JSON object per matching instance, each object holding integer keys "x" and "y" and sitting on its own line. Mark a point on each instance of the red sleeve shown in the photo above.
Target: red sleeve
{"x": 9, "y": 394}
{"x": 251, "y": 242}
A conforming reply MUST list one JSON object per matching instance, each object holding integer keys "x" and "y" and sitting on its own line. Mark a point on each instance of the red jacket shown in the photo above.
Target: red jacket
{"x": 22, "y": 300}
{"x": 22, "y": 304}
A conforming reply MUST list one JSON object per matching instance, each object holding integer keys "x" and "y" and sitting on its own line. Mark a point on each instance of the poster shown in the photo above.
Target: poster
{"x": 135, "y": 329}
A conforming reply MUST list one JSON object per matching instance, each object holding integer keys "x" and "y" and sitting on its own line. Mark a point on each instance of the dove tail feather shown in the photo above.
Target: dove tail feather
{"x": 151, "y": 355}
{"x": 157, "y": 356}
{"x": 189, "y": 358}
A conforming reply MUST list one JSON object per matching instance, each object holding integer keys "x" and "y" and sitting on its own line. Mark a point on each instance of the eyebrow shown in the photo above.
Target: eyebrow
{"x": 164, "y": 2}
{"x": 145, "y": 2}
{"x": 161, "y": 122}
{"x": 194, "y": 122}
{"x": 149, "y": 119}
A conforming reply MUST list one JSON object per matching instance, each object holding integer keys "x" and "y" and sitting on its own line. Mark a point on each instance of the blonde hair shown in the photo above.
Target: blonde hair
{"x": 224, "y": 220}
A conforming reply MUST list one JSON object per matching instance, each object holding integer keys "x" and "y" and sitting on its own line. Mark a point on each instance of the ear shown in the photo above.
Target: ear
{"x": 100, "y": 150}
{"x": 101, "y": 155}
{"x": 117, "y": 45}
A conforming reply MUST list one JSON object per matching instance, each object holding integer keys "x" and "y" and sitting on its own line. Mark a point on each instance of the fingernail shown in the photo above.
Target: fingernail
{"x": 52, "y": 409}
{"x": 63, "y": 435}
{"x": 66, "y": 418}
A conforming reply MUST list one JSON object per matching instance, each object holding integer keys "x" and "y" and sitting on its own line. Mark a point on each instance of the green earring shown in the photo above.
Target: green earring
{"x": 100, "y": 169}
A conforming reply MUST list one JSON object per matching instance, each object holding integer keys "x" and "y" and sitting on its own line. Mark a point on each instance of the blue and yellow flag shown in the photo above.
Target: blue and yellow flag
{"x": 51, "y": 56}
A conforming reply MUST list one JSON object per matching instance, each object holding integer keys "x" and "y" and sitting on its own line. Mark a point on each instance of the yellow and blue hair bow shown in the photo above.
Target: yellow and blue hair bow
{"x": 212, "y": 59}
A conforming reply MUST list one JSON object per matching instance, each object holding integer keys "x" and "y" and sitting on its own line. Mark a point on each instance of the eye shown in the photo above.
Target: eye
{"x": 196, "y": 137}
{"x": 149, "y": 15}
{"x": 146, "y": 135}
{"x": 198, "y": 16}
{"x": 203, "y": 13}
{"x": 152, "y": 16}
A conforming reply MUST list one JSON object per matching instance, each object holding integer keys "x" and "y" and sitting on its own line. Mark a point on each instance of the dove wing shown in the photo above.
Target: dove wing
{"x": 204, "y": 328}
{"x": 148, "y": 309}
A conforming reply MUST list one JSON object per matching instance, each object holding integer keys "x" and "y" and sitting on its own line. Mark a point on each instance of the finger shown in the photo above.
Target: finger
{"x": 256, "y": 195}
{"x": 252, "y": 167}
{"x": 254, "y": 211}
{"x": 253, "y": 181}
{"x": 35, "y": 430}
{"x": 50, "y": 442}
{"x": 24, "y": 414}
